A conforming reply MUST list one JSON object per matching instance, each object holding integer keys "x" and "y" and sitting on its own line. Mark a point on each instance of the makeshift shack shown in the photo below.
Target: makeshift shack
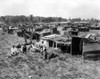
{"x": 57, "y": 41}
{"x": 55, "y": 31}
{"x": 91, "y": 46}
{"x": 45, "y": 32}
{"x": 12, "y": 30}
{"x": 35, "y": 36}
{"x": 83, "y": 29}
{"x": 50, "y": 39}
{"x": 86, "y": 46}
{"x": 28, "y": 35}
{"x": 73, "y": 33}
{"x": 39, "y": 29}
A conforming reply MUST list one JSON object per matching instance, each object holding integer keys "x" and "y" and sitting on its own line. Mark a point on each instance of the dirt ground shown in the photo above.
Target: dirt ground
{"x": 32, "y": 66}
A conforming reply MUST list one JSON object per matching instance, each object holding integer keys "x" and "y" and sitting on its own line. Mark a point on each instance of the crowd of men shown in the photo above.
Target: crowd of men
{"x": 25, "y": 48}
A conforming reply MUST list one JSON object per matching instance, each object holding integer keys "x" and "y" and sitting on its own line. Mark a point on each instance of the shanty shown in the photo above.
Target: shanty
{"x": 49, "y": 39}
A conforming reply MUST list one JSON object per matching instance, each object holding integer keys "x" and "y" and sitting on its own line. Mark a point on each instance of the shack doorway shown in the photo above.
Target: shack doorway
{"x": 50, "y": 43}
{"x": 76, "y": 46}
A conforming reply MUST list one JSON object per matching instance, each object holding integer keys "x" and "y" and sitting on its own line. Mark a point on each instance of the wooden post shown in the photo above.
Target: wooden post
{"x": 83, "y": 53}
{"x": 71, "y": 48}
{"x": 56, "y": 44}
{"x": 53, "y": 45}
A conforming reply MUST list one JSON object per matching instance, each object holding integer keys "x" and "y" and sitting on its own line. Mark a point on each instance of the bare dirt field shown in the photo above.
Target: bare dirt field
{"x": 32, "y": 66}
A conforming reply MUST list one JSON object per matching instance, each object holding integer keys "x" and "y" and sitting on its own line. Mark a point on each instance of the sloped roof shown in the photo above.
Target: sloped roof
{"x": 58, "y": 38}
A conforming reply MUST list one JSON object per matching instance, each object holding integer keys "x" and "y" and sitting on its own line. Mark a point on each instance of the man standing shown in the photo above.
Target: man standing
{"x": 23, "y": 48}
{"x": 45, "y": 53}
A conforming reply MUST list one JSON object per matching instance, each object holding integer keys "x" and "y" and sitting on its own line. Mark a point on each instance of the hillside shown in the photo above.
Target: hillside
{"x": 32, "y": 66}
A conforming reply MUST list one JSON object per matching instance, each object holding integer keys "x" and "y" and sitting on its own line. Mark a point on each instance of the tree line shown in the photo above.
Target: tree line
{"x": 35, "y": 19}
{"x": 31, "y": 18}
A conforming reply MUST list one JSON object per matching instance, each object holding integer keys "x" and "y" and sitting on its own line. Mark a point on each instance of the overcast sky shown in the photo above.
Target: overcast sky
{"x": 57, "y": 8}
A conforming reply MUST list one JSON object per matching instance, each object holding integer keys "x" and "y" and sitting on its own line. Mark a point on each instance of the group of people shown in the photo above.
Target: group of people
{"x": 19, "y": 48}
{"x": 42, "y": 49}
{"x": 15, "y": 50}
